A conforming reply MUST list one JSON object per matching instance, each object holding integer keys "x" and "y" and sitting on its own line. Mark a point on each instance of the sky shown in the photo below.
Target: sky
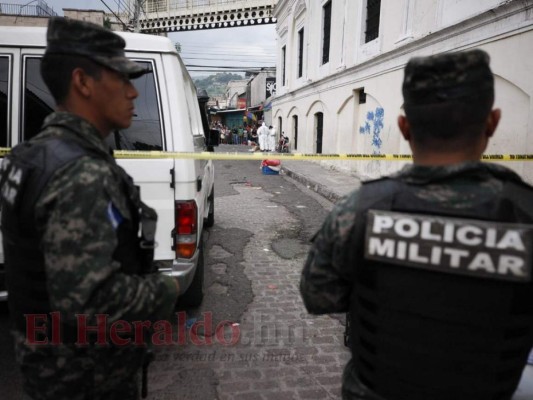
{"x": 241, "y": 47}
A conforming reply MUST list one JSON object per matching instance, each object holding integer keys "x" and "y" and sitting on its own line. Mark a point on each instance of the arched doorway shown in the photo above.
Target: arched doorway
{"x": 319, "y": 123}
{"x": 295, "y": 131}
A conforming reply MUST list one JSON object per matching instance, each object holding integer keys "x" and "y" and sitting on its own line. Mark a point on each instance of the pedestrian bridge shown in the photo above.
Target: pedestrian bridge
{"x": 182, "y": 15}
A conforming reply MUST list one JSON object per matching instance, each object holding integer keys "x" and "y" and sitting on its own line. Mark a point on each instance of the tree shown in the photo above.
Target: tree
{"x": 215, "y": 85}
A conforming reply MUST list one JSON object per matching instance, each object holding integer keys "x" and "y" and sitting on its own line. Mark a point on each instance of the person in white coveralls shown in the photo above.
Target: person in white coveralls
{"x": 262, "y": 133}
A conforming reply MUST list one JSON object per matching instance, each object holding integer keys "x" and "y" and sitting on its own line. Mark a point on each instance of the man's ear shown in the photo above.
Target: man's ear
{"x": 80, "y": 82}
{"x": 492, "y": 122}
{"x": 404, "y": 126}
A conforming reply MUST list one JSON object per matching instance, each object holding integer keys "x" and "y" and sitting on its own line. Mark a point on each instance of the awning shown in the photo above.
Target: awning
{"x": 231, "y": 111}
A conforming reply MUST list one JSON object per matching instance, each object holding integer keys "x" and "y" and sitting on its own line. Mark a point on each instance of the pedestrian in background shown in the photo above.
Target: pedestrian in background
{"x": 70, "y": 223}
{"x": 271, "y": 138}
{"x": 433, "y": 263}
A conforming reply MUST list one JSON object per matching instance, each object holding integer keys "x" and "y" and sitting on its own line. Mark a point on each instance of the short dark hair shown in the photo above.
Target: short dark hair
{"x": 448, "y": 97}
{"x": 56, "y": 71}
{"x": 460, "y": 121}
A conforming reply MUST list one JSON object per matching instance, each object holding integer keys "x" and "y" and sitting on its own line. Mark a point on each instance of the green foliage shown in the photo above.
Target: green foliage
{"x": 215, "y": 85}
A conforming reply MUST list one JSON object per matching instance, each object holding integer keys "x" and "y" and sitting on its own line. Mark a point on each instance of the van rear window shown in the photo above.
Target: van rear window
{"x": 4, "y": 99}
{"x": 38, "y": 102}
{"x": 144, "y": 133}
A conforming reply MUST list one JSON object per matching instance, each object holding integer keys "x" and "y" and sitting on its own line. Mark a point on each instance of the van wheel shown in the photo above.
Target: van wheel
{"x": 195, "y": 293}
{"x": 210, "y": 220}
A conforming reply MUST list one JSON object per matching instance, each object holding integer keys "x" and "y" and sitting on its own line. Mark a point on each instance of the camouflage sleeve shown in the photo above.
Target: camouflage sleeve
{"x": 327, "y": 279}
{"x": 78, "y": 241}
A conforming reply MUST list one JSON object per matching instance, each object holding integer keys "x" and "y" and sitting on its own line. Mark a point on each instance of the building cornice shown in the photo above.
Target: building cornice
{"x": 283, "y": 31}
{"x": 281, "y": 10}
{"x": 299, "y": 8}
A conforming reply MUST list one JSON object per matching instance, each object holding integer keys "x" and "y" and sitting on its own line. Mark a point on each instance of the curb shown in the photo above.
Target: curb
{"x": 313, "y": 185}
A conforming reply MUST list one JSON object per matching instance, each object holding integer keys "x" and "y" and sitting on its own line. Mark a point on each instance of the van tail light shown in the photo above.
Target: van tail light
{"x": 185, "y": 230}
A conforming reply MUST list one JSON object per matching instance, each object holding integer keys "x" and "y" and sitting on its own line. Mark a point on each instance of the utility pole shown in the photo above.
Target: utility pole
{"x": 137, "y": 15}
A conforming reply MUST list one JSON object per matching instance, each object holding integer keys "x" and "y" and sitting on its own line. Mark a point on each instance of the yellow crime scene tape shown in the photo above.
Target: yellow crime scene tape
{"x": 122, "y": 154}
{"x": 297, "y": 156}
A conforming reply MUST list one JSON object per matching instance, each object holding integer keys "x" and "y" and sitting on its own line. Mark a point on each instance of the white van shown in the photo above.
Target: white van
{"x": 168, "y": 119}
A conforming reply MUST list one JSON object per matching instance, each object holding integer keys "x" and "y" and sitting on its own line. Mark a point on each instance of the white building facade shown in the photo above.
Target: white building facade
{"x": 340, "y": 70}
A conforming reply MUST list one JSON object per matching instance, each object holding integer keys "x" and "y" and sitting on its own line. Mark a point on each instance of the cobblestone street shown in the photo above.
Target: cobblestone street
{"x": 280, "y": 351}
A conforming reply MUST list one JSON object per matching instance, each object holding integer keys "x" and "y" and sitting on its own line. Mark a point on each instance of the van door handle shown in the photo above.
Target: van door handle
{"x": 198, "y": 183}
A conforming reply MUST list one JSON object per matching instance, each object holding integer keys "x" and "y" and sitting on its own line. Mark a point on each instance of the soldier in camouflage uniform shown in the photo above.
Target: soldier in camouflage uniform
{"x": 433, "y": 264}
{"x": 70, "y": 223}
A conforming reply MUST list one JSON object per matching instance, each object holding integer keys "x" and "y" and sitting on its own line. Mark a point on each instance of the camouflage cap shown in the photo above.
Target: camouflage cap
{"x": 74, "y": 37}
{"x": 447, "y": 77}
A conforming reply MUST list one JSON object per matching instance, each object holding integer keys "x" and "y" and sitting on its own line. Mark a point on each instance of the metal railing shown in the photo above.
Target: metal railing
{"x": 182, "y": 5}
{"x": 41, "y": 9}
{"x": 177, "y": 15}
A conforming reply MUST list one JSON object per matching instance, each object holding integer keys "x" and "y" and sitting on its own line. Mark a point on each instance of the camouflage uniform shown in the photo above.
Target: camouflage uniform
{"x": 77, "y": 219}
{"x": 78, "y": 241}
{"x": 327, "y": 281}
{"x": 337, "y": 276}
{"x": 327, "y": 277}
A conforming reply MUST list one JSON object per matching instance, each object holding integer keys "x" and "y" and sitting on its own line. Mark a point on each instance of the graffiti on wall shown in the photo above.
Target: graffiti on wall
{"x": 373, "y": 126}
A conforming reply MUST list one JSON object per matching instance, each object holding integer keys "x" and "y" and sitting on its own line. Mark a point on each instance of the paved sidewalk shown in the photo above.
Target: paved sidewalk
{"x": 334, "y": 184}
{"x": 328, "y": 182}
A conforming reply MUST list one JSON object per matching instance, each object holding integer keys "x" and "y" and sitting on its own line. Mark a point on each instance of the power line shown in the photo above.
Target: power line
{"x": 225, "y": 66}
{"x": 112, "y": 12}
{"x": 254, "y": 56}
{"x": 222, "y": 47}
{"x": 125, "y": 6}
{"x": 226, "y": 59}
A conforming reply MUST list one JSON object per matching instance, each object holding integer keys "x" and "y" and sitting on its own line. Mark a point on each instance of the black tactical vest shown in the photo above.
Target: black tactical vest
{"x": 25, "y": 174}
{"x": 419, "y": 334}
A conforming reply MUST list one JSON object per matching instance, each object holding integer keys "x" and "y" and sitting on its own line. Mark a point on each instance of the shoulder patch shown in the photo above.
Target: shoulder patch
{"x": 12, "y": 179}
{"x": 114, "y": 215}
{"x": 475, "y": 248}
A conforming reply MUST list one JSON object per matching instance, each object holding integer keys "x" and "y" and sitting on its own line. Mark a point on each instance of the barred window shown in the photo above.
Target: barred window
{"x": 373, "y": 8}
{"x": 327, "y": 32}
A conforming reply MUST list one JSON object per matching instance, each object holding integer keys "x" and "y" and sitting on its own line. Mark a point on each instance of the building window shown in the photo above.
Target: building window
{"x": 300, "y": 52}
{"x": 373, "y": 8}
{"x": 283, "y": 63}
{"x": 327, "y": 32}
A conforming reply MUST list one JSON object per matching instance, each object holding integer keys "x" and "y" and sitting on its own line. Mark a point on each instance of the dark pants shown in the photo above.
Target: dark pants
{"x": 353, "y": 388}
